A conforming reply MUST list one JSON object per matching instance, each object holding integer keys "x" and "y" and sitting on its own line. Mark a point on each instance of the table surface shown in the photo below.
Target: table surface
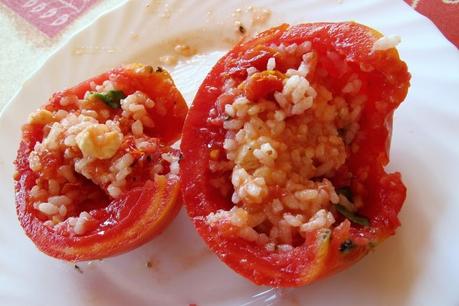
{"x": 24, "y": 48}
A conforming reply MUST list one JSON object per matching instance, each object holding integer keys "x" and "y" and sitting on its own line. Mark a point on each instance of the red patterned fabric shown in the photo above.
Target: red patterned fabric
{"x": 49, "y": 16}
{"x": 444, "y": 13}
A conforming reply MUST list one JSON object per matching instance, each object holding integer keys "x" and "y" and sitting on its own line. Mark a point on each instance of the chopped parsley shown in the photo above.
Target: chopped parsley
{"x": 112, "y": 97}
{"x": 347, "y": 192}
{"x": 353, "y": 217}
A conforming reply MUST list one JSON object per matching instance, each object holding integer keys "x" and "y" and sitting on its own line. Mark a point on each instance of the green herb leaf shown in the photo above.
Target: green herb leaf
{"x": 347, "y": 192}
{"x": 112, "y": 97}
{"x": 353, "y": 217}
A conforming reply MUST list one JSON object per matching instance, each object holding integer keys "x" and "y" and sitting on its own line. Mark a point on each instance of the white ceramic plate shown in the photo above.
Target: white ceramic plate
{"x": 419, "y": 266}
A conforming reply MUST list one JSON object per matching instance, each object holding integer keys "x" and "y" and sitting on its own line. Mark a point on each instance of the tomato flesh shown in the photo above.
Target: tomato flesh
{"x": 385, "y": 81}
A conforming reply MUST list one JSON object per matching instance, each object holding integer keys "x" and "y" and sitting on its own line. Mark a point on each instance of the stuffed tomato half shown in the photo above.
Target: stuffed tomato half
{"x": 95, "y": 173}
{"x": 284, "y": 150}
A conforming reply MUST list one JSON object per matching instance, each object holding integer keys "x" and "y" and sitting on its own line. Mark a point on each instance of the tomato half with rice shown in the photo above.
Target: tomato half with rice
{"x": 284, "y": 150}
{"x": 95, "y": 172}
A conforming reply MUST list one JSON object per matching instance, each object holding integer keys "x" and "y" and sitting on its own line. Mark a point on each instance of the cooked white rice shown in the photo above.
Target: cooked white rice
{"x": 90, "y": 145}
{"x": 295, "y": 141}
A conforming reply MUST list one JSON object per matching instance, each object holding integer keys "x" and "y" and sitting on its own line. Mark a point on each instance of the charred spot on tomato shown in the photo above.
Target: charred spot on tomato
{"x": 159, "y": 69}
{"x": 346, "y": 246}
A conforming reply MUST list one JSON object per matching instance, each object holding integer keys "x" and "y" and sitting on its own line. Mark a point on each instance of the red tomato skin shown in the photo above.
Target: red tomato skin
{"x": 382, "y": 193}
{"x": 140, "y": 214}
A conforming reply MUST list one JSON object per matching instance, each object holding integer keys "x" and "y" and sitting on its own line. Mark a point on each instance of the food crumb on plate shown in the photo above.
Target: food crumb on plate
{"x": 77, "y": 268}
